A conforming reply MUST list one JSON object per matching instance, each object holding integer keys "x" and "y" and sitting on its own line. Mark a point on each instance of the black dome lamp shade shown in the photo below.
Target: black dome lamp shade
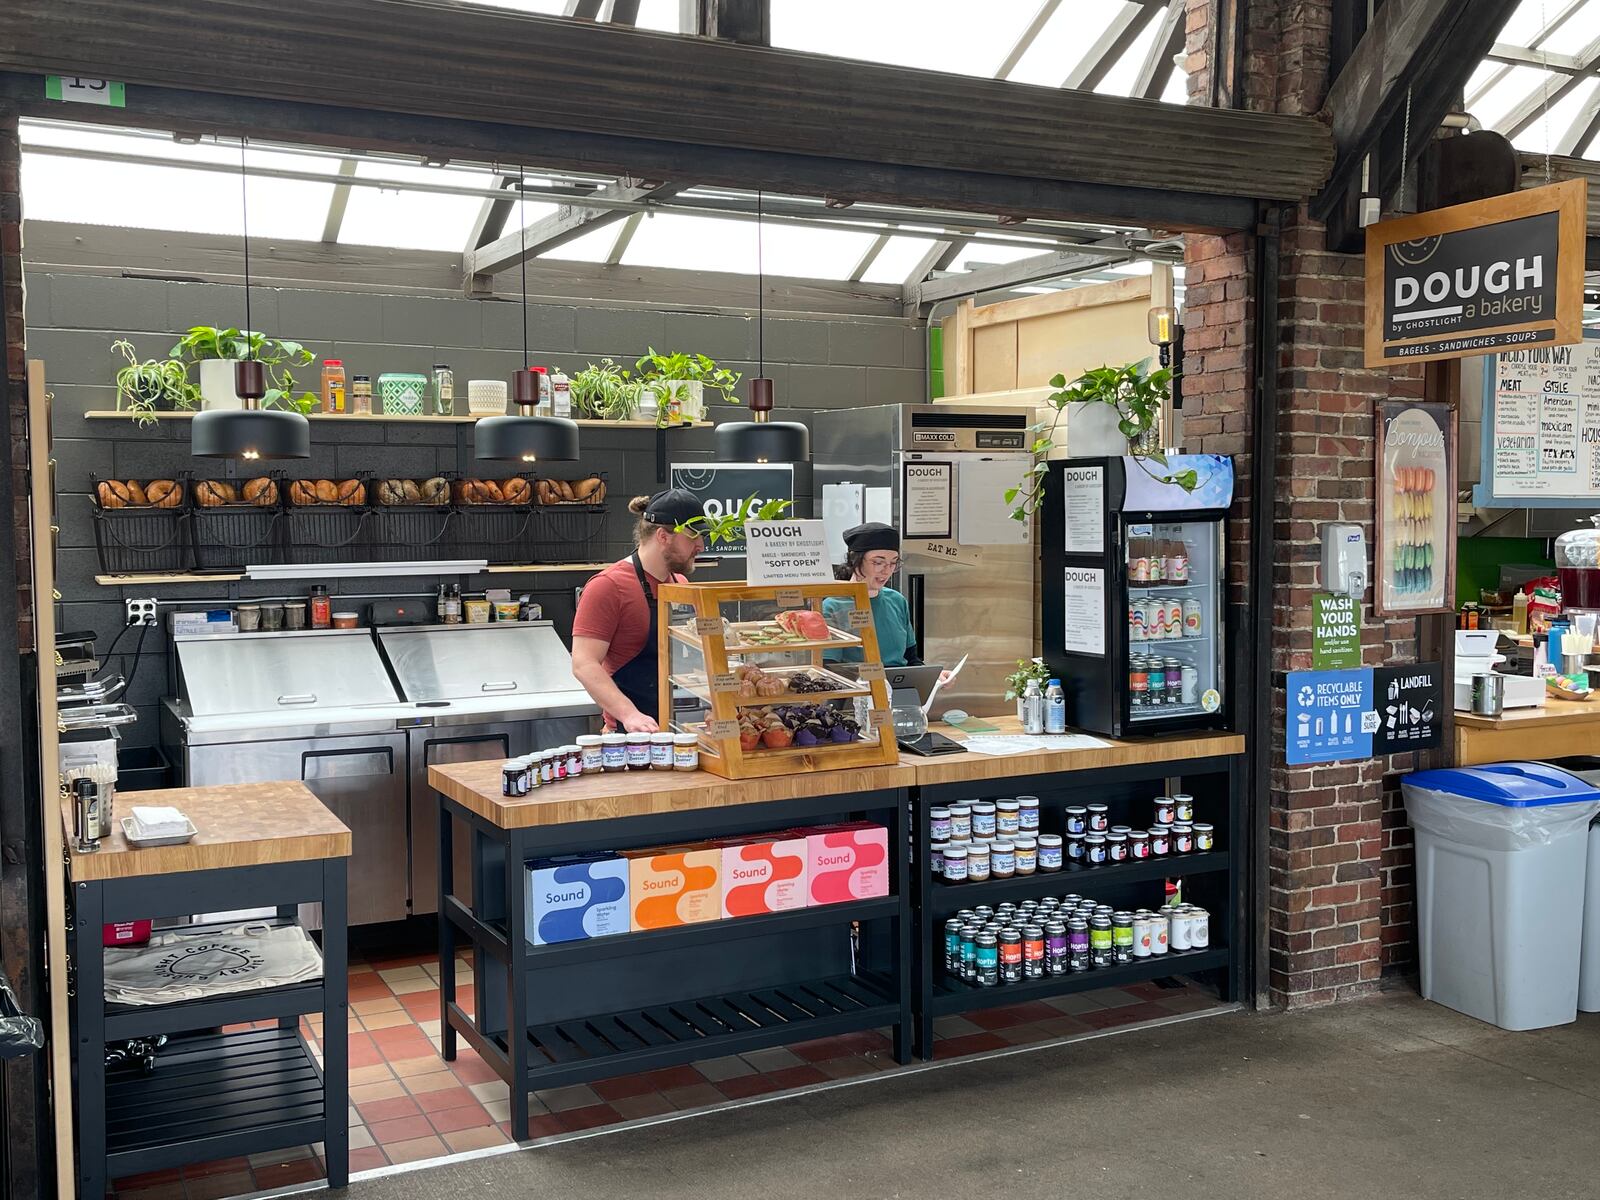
{"x": 763, "y": 440}
{"x": 525, "y": 437}
{"x": 250, "y": 432}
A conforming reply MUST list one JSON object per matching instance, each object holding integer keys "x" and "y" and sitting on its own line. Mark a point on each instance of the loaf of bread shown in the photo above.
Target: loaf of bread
{"x": 212, "y": 492}
{"x": 303, "y": 491}
{"x": 163, "y": 493}
{"x": 434, "y": 491}
{"x": 113, "y": 493}
{"x": 516, "y": 491}
{"x": 261, "y": 491}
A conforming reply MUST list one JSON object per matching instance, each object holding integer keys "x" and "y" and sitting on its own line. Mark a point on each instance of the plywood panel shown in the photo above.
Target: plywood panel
{"x": 1077, "y": 341}
{"x": 994, "y": 357}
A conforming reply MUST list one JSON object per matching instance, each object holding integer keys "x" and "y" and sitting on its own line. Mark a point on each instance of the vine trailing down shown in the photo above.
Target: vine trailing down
{"x": 1136, "y": 393}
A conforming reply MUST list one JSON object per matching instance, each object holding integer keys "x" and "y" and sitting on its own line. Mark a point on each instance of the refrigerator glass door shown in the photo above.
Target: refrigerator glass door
{"x": 1174, "y": 605}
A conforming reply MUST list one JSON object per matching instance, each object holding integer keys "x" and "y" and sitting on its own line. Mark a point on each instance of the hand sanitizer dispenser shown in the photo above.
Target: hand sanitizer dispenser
{"x": 1344, "y": 558}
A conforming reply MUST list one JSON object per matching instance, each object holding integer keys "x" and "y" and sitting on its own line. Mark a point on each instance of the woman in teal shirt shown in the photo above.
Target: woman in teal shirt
{"x": 872, "y": 556}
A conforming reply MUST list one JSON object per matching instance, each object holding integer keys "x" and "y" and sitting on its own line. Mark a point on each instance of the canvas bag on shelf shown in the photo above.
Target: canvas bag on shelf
{"x": 192, "y": 966}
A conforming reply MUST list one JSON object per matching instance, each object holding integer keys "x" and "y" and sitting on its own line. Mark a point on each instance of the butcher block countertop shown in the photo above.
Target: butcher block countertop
{"x": 240, "y": 825}
{"x": 1561, "y": 729}
{"x": 476, "y": 786}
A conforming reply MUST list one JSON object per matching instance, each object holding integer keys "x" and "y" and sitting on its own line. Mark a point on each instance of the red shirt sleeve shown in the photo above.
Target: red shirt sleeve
{"x": 599, "y": 610}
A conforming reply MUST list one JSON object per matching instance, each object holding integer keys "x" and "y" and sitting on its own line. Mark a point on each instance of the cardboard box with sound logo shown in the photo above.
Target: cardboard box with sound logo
{"x": 847, "y": 862}
{"x": 763, "y": 875}
{"x": 674, "y": 885}
{"x": 573, "y": 898}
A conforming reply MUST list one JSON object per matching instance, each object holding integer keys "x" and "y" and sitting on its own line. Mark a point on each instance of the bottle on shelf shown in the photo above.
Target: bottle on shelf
{"x": 444, "y": 390}
{"x": 560, "y": 394}
{"x": 361, "y": 395}
{"x": 1055, "y": 708}
{"x": 321, "y": 607}
{"x": 1032, "y": 708}
{"x": 333, "y": 391}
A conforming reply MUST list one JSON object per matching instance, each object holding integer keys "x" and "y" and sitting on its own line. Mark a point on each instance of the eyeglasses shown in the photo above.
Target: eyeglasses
{"x": 881, "y": 564}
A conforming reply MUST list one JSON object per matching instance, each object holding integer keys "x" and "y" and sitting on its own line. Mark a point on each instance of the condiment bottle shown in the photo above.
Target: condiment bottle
{"x": 444, "y": 390}
{"x": 361, "y": 395}
{"x": 321, "y": 608}
{"x": 333, "y": 394}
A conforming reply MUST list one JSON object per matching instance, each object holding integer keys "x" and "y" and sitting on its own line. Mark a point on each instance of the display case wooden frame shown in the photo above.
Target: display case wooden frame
{"x": 722, "y": 755}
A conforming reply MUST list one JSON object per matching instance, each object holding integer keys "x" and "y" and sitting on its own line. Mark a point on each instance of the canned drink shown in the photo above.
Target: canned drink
{"x": 984, "y": 913}
{"x": 1099, "y": 818}
{"x": 1182, "y": 838}
{"x": 1010, "y": 944}
{"x": 1173, "y": 619}
{"x": 1177, "y": 927}
{"x": 1204, "y": 836}
{"x": 952, "y": 946}
{"x": 1155, "y": 612}
{"x": 1116, "y": 847}
{"x": 1192, "y": 618}
{"x": 1138, "y": 845}
{"x": 1174, "y": 675}
{"x": 1156, "y": 689}
{"x": 1033, "y": 952}
{"x": 1199, "y": 928}
{"x": 988, "y": 959}
{"x": 1141, "y": 935}
{"x": 1165, "y": 810}
{"x": 1122, "y": 937}
{"x": 1055, "y": 947}
{"x": 1100, "y": 942}
{"x": 1183, "y": 806}
{"x": 1136, "y": 626}
{"x": 1077, "y": 820}
{"x": 1189, "y": 693}
{"x": 1158, "y": 933}
{"x": 960, "y": 822}
{"x": 1138, "y": 687}
{"x": 1160, "y": 841}
{"x": 1077, "y": 944}
{"x": 1094, "y": 849}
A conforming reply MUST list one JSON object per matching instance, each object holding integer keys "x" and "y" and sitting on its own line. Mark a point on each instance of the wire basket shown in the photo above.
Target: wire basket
{"x": 409, "y": 532}
{"x": 234, "y": 536}
{"x": 497, "y": 533}
{"x": 324, "y": 533}
{"x": 135, "y": 540}
{"x": 568, "y": 533}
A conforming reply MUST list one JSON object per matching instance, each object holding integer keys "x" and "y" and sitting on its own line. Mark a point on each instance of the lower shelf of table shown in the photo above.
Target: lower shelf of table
{"x": 946, "y": 898}
{"x": 958, "y": 996}
{"x": 214, "y": 1095}
{"x": 642, "y": 1039}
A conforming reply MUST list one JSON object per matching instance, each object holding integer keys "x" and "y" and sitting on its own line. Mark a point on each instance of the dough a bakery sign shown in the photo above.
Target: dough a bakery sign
{"x": 1501, "y": 273}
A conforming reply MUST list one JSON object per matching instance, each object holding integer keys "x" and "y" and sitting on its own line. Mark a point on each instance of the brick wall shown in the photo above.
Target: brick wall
{"x": 1339, "y": 873}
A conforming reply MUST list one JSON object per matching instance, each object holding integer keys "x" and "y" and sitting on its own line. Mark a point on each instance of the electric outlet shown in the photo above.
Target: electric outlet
{"x": 142, "y": 612}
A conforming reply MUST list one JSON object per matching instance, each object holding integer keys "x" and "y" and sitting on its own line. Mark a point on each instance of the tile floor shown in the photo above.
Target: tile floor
{"x": 407, "y": 1104}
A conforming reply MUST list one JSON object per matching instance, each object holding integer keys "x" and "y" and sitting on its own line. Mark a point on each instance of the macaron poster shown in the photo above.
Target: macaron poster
{"x": 1415, "y": 550}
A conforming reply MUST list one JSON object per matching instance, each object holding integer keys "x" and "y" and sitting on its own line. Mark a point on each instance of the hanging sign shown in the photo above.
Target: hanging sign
{"x": 1410, "y": 703}
{"x": 786, "y": 552}
{"x": 722, "y": 487}
{"x": 77, "y": 89}
{"x": 1541, "y": 428}
{"x": 1414, "y": 559}
{"x": 1335, "y": 632}
{"x": 1329, "y": 716}
{"x": 1479, "y": 277}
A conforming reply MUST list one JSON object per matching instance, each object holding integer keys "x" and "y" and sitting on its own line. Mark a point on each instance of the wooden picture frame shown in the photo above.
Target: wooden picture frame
{"x": 1414, "y": 535}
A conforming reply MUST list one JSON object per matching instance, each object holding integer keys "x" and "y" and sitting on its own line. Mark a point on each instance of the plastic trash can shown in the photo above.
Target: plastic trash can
{"x": 1589, "y": 967}
{"x": 1501, "y": 857}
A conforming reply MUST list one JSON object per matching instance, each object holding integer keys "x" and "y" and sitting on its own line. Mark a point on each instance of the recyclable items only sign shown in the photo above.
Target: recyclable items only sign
{"x": 1410, "y": 702}
{"x": 1335, "y": 632}
{"x": 1329, "y": 716}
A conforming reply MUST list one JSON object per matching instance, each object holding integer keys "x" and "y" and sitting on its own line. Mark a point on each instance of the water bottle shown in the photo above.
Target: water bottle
{"x": 1032, "y": 708}
{"x": 1055, "y": 708}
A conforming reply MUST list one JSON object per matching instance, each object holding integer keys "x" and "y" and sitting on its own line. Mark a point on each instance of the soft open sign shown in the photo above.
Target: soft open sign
{"x": 786, "y": 552}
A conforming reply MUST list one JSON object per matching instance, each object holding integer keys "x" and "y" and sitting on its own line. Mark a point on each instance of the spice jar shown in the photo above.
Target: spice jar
{"x": 661, "y": 752}
{"x": 333, "y": 386}
{"x": 361, "y": 395}
{"x": 685, "y": 752}
{"x": 294, "y": 614}
{"x": 321, "y": 608}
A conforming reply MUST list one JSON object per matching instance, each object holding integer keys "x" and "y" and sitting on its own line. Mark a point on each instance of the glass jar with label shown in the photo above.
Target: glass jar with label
{"x": 638, "y": 751}
{"x": 589, "y": 748}
{"x": 443, "y": 389}
{"x": 661, "y": 752}
{"x": 361, "y": 395}
{"x": 685, "y": 752}
{"x": 978, "y": 862}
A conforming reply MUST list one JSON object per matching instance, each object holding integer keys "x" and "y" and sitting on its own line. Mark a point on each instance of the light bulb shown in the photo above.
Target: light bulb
{"x": 251, "y": 454}
{"x": 1162, "y": 321}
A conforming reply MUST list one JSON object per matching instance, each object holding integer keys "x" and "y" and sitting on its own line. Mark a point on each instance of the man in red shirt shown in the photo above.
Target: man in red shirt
{"x": 615, "y": 640}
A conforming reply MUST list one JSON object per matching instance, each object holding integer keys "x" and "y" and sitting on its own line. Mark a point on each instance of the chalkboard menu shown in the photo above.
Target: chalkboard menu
{"x": 1541, "y": 428}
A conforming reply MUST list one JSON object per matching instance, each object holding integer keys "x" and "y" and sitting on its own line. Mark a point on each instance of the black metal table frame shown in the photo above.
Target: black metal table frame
{"x": 281, "y": 886}
{"x": 686, "y": 1029}
{"x": 1215, "y": 781}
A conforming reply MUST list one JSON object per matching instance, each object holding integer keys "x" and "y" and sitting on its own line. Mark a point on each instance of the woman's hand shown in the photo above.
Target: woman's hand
{"x": 639, "y": 723}
{"x": 945, "y": 677}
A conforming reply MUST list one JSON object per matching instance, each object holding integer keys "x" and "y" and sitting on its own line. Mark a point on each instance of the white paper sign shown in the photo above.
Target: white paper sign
{"x": 983, "y": 518}
{"x": 928, "y": 510}
{"x": 1083, "y": 492}
{"x": 1545, "y": 436}
{"x": 786, "y": 552}
{"x": 1085, "y": 589}
{"x": 945, "y": 551}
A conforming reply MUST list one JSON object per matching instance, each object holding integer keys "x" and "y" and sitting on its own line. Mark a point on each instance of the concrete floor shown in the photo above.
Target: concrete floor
{"x": 1382, "y": 1097}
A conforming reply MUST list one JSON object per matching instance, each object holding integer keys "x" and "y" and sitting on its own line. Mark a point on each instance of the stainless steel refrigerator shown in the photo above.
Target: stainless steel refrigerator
{"x": 938, "y": 473}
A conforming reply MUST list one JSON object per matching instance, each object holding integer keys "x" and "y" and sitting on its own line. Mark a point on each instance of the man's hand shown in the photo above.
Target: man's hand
{"x": 637, "y": 722}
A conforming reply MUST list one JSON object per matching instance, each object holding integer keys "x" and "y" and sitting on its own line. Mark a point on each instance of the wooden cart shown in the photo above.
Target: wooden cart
{"x": 722, "y": 643}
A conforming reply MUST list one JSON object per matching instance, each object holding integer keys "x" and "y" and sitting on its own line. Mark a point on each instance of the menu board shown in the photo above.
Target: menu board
{"x": 1542, "y": 428}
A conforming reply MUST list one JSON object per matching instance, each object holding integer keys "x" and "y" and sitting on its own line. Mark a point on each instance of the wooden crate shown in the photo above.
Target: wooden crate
{"x": 720, "y": 752}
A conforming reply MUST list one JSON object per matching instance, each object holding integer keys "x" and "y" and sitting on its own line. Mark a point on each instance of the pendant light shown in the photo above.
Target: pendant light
{"x": 761, "y": 439}
{"x": 251, "y": 432}
{"x": 525, "y": 437}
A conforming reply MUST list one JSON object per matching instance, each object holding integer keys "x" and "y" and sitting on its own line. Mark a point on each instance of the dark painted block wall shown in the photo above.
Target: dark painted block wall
{"x": 72, "y": 319}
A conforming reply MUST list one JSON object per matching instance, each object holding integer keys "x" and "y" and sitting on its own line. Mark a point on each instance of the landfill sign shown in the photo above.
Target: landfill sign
{"x": 1335, "y": 632}
{"x": 1329, "y": 716}
{"x": 1410, "y": 701}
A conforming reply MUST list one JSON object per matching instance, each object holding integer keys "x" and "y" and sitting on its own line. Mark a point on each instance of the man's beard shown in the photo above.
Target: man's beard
{"x": 684, "y": 566}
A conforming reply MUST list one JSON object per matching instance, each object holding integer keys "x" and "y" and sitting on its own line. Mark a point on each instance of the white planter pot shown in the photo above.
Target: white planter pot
{"x": 216, "y": 384}
{"x": 1092, "y": 431}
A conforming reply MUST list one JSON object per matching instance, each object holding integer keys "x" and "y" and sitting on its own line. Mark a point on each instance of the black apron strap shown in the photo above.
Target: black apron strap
{"x": 639, "y": 678}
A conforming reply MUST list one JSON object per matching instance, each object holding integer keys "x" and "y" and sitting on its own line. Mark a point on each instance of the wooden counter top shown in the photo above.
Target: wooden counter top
{"x": 242, "y": 825}
{"x": 1561, "y": 729}
{"x": 476, "y": 786}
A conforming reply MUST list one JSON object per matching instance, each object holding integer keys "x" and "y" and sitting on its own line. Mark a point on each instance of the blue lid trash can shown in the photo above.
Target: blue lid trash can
{"x": 1501, "y": 861}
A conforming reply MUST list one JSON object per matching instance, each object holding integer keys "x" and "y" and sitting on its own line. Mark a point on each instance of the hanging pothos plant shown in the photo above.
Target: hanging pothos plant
{"x": 730, "y": 528}
{"x": 1136, "y": 393}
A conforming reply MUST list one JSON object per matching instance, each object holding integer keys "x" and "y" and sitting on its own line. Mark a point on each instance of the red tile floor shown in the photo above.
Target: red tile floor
{"x": 407, "y": 1104}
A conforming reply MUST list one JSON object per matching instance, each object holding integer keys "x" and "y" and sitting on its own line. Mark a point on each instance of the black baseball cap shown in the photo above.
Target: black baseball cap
{"x": 674, "y": 507}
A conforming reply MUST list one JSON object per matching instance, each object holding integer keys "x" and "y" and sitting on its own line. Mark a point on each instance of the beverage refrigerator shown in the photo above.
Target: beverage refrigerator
{"x": 1133, "y": 572}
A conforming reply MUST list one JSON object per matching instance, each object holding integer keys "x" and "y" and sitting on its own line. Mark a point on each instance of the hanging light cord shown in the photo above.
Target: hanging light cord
{"x": 244, "y": 214}
{"x": 522, "y": 231}
{"x": 761, "y": 294}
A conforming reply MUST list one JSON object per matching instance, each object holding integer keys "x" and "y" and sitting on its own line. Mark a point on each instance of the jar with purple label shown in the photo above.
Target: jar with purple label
{"x": 955, "y": 864}
{"x": 1028, "y": 813}
{"x": 939, "y": 824}
{"x": 936, "y": 856}
{"x": 1182, "y": 838}
{"x": 1050, "y": 851}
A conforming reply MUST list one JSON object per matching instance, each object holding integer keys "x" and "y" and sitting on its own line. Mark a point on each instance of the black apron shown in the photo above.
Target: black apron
{"x": 639, "y": 678}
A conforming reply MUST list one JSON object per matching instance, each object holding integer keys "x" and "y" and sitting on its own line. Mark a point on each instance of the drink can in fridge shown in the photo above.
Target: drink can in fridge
{"x": 1191, "y": 686}
{"x": 1173, "y": 619}
{"x": 1153, "y": 612}
{"x": 1174, "y": 682}
{"x": 1193, "y": 619}
{"x": 1138, "y": 686}
{"x": 1136, "y": 625}
{"x": 1156, "y": 686}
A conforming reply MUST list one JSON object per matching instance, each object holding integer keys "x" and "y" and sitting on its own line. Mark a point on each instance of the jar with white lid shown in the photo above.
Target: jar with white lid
{"x": 589, "y": 748}
{"x": 685, "y": 752}
{"x": 661, "y": 752}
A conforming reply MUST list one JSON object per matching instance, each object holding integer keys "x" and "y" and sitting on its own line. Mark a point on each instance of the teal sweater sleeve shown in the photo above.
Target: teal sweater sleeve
{"x": 891, "y": 618}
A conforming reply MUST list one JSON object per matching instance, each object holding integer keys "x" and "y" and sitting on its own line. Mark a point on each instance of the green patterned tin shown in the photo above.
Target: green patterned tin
{"x": 403, "y": 393}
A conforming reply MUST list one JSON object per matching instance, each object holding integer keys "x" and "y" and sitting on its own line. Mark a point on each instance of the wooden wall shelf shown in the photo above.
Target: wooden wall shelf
{"x": 313, "y": 571}
{"x": 108, "y": 414}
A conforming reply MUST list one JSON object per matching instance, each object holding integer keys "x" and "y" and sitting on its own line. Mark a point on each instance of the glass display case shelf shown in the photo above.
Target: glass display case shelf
{"x": 835, "y": 687}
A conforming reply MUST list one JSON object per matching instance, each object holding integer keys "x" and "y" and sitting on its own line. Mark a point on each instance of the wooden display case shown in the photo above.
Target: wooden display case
{"x": 715, "y": 629}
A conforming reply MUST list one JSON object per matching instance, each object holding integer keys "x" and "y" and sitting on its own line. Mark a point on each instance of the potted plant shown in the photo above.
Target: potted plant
{"x": 216, "y": 350}
{"x": 1017, "y": 681}
{"x": 606, "y": 392}
{"x": 152, "y": 385}
{"x": 730, "y": 527}
{"x": 1110, "y": 411}
{"x": 676, "y": 384}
